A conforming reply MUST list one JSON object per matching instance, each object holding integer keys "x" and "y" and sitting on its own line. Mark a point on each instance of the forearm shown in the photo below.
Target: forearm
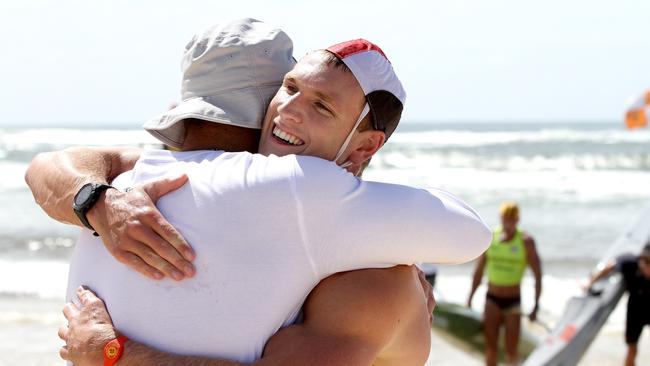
{"x": 448, "y": 229}
{"x": 137, "y": 354}
{"x": 476, "y": 281}
{"x": 430, "y": 226}
{"x": 538, "y": 289}
{"x": 477, "y": 277}
{"x": 609, "y": 268}
{"x": 55, "y": 177}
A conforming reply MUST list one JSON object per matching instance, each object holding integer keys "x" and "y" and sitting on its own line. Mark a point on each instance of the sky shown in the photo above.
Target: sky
{"x": 72, "y": 62}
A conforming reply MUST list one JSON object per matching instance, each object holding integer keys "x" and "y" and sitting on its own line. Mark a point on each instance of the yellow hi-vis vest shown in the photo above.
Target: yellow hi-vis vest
{"x": 506, "y": 261}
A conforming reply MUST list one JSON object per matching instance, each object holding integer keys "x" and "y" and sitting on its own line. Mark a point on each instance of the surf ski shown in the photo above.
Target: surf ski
{"x": 585, "y": 315}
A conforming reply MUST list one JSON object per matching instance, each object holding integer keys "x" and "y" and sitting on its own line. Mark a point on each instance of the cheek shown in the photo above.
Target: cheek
{"x": 272, "y": 109}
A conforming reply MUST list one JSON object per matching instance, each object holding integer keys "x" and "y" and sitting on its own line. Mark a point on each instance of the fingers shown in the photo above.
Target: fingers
{"x": 63, "y": 332}
{"x": 88, "y": 297}
{"x": 172, "y": 237}
{"x": 160, "y": 237}
{"x": 70, "y": 311}
{"x": 152, "y": 260}
{"x": 63, "y": 353}
{"x": 138, "y": 265}
{"x": 161, "y": 187}
{"x": 159, "y": 224}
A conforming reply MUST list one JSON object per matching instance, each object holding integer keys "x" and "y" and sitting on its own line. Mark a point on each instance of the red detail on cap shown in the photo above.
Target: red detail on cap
{"x": 345, "y": 49}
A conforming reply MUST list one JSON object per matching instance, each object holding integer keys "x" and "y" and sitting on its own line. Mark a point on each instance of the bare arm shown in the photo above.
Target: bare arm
{"x": 606, "y": 271}
{"x": 348, "y": 320}
{"x": 90, "y": 328}
{"x": 476, "y": 278}
{"x": 536, "y": 267}
{"x": 130, "y": 225}
{"x": 55, "y": 177}
{"x": 137, "y": 354}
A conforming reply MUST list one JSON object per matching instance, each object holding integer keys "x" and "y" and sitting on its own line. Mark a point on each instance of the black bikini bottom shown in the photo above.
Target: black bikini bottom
{"x": 505, "y": 304}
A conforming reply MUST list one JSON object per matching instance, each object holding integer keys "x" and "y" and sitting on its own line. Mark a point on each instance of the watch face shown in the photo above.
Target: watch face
{"x": 83, "y": 194}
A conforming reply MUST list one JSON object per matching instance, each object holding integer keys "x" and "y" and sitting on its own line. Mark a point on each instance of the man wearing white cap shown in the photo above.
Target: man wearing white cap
{"x": 310, "y": 219}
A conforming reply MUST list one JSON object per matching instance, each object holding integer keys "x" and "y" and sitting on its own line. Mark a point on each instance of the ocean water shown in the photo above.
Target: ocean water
{"x": 578, "y": 185}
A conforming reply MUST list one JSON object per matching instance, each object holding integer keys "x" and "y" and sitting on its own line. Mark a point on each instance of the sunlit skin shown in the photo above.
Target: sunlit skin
{"x": 318, "y": 105}
{"x": 493, "y": 315}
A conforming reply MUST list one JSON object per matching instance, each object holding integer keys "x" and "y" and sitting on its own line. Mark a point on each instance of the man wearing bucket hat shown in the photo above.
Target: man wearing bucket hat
{"x": 311, "y": 219}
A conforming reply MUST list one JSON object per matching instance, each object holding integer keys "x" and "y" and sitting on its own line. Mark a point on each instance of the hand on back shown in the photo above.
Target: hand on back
{"x": 88, "y": 330}
{"x": 136, "y": 233}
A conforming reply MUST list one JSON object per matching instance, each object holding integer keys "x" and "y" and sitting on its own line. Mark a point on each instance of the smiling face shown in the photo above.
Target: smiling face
{"x": 313, "y": 111}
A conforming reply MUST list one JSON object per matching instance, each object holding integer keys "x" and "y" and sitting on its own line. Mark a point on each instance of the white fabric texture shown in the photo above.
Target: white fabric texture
{"x": 374, "y": 72}
{"x": 266, "y": 230}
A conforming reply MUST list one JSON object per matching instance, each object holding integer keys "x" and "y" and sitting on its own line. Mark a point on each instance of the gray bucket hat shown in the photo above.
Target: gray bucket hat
{"x": 231, "y": 71}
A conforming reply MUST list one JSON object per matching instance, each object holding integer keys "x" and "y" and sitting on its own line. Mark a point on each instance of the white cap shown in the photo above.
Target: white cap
{"x": 384, "y": 93}
{"x": 231, "y": 71}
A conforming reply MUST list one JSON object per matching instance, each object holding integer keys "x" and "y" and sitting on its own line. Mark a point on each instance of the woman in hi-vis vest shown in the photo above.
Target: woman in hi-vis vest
{"x": 511, "y": 251}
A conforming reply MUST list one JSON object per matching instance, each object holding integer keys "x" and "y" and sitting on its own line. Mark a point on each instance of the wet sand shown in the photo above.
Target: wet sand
{"x": 608, "y": 349}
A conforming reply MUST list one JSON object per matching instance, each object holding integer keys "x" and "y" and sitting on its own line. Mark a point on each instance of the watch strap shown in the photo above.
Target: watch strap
{"x": 81, "y": 211}
{"x": 113, "y": 350}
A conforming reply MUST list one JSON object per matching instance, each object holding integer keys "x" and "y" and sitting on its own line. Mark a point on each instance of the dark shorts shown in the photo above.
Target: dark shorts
{"x": 636, "y": 319}
{"x": 507, "y": 305}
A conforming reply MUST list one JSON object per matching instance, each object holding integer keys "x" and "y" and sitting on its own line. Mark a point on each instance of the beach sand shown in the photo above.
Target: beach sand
{"x": 608, "y": 349}
{"x": 28, "y": 331}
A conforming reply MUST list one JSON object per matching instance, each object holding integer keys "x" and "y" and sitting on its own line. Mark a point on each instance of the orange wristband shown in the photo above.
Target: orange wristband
{"x": 113, "y": 350}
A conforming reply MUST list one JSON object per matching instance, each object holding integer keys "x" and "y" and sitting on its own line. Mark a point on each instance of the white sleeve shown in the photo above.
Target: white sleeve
{"x": 353, "y": 224}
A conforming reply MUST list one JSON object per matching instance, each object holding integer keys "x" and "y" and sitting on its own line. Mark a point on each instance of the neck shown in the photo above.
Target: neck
{"x": 203, "y": 135}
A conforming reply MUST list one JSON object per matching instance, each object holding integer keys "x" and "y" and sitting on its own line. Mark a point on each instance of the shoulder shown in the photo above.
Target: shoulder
{"x": 627, "y": 263}
{"x": 361, "y": 286}
{"x": 384, "y": 306}
{"x": 316, "y": 169}
{"x": 528, "y": 240}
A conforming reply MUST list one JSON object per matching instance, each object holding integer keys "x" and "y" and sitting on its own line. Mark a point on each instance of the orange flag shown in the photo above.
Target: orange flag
{"x": 638, "y": 112}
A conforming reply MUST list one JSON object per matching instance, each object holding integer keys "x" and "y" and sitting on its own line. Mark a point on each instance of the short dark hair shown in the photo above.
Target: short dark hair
{"x": 331, "y": 59}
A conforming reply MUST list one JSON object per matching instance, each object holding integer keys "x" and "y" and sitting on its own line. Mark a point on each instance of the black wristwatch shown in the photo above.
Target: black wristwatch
{"x": 85, "y": 199}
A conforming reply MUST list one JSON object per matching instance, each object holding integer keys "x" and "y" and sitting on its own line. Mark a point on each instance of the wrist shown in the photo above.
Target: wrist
{"x": 85, "y": 200}
{"x": 96, "y": 215}
{"x": 114, "y": 349}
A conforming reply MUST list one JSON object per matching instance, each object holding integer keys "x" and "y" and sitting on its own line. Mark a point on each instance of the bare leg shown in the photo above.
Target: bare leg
{"x": 492, "y": 322}
{"x": 631, "y": 354}
{"x": 513, "y": 327}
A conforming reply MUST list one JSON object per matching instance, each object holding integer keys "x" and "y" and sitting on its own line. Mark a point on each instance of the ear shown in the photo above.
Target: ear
{"x": 365, "y": 145}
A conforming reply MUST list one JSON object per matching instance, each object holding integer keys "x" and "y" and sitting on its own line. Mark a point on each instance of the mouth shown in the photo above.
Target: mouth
{"x": 286, "y": 137}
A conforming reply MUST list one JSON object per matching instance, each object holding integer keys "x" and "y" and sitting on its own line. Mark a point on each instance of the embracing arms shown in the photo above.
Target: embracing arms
{"x": 348, "y": 320}
{"x": 130, "y": 225}
{"x": 351, "y": 224}
{"x": 55, "y": 177}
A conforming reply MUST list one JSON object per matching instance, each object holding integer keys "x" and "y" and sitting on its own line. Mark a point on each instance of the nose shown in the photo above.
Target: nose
{"x": 290, "y": 108}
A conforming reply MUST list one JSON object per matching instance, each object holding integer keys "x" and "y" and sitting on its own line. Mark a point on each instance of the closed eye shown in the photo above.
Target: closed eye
{"x": 291, "y": 89}
{"x": 324, "y": 109}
